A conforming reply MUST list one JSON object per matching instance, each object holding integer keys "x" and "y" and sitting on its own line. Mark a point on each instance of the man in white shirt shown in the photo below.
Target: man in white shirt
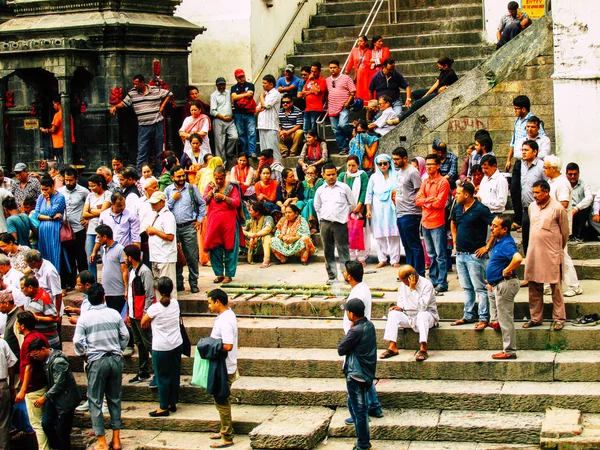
{"x": 493, "y": 190}
{"x": 268, "y": 116}
{"x": 581, "y": 202}
{"x": 224, "y": 129}
{"x": 8, "y": 360}
{"x": 226, "y": 329}
{"x": 333, "y": 202}
{"x": 161, "y": 239}
{"x": 532, "y": 127}
{"x": 416, "y": 309}
{"x": 560, "y": 190}
{"x": 353, "y": 274}
{"x": 146, "y": 215}
{"x": 47, "y": 277}
{"x": 386, "y": 122}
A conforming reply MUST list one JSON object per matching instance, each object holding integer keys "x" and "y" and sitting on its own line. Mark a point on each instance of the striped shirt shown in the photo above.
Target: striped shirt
{"x": 268, "y": 117}
{"x": 520, "y": 132}
{"x": 289, "y": 121}
{"x": 339, "y": 92}
{"x": 99, "y": 331}
{"x": 42, "y": 305}
{"x": 147, "y": 105}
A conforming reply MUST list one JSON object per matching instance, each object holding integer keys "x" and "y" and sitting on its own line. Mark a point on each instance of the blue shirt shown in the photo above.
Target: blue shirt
{"x": 471, "y": 226}
{"x": 282, "y": 82}
{"x": 183, "y": 209}
{"x": 500, "y": 257}
{"x": 519, "y": 131}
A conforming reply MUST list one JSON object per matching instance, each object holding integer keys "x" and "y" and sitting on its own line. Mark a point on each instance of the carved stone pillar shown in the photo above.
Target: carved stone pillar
{"x": 65, "y": 102}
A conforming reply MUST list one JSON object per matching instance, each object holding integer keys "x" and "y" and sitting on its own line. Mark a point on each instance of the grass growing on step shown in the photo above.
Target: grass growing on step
{"x": 559, "y": 346}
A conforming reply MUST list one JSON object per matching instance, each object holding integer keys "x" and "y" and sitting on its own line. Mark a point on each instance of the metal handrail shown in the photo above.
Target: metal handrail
{"x": 301, "y": 3}
{"x": 371, "y": 17}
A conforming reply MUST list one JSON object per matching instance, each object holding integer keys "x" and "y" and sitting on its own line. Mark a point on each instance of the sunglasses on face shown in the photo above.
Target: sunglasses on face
{"x": 285, "y": 103}
{"x": 383, "y": 163}
{"x": 333, "y": 84}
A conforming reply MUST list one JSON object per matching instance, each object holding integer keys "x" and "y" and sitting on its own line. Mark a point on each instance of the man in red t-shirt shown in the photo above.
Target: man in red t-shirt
{"x": 33, "y": 379}
{"x": 314, "y": 93}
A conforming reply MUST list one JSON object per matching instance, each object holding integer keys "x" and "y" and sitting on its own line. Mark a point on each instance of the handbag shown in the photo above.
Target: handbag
{"x": 200, "y": 371}
{"x": 186, "y": 346}
{"x": 356, "y": 235}
{"x": 181, "y": 262}
{"x": 66, "y": 232}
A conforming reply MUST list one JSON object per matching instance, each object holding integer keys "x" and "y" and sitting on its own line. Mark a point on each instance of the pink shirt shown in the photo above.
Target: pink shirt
{"x": 339, "y": 94}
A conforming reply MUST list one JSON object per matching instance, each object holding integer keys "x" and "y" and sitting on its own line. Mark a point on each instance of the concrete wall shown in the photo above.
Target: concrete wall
{"x": 577, "y": 82}
{"x": 240, "y": 34}
{"x": 494, "y": 10}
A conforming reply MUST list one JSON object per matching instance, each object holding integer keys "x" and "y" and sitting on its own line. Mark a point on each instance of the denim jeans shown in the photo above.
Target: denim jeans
{"x": 408, "y": 226}
{"x": 435, "y": 241}
{"x": 246, "y": 128}
{"x": 471, "y": 275}
{"x": 310, "y": 120}
{"x": 338, "y": 124}
{"x": 373, "y": 404}
{"x": 90, "y": 241}
{"x": 150, "y": 144}
{"x": 357, "y": 405}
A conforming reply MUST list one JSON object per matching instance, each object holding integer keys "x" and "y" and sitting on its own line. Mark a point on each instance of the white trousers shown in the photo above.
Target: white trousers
{"x": 388, "y": 246}
{"x": 570, "y": 275}
{"x": 421, "y": 323}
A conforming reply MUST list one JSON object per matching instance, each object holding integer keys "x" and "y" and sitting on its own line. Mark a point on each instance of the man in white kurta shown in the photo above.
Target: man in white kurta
{"x": 416, "y": 308}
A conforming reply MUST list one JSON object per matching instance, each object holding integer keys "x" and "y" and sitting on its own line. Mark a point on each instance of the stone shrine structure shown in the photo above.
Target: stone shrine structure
{"x": 86, "y": 53}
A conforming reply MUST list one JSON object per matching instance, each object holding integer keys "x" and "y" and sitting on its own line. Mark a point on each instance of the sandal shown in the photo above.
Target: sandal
{"x": 381, "y": 264}
{"x": 462, "y": 321}
{"x": 219, "y": 279}
{"x": 388, "y": 354}
{"x": 421, "y": 356}
{"x": 481, "y": 326}
{"x": 215, "y": 436}
{"x": 532, "y": 324}
{"x": 558, "y": 326}
{"x": 265, "y": 264}
{"x": 227, "y": 280}
{"x": 222, "y": 445}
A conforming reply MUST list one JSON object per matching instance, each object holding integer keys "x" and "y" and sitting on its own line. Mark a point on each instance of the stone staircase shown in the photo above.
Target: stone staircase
{"x": 292, "y": 394}
{"x": 426, "y": 30}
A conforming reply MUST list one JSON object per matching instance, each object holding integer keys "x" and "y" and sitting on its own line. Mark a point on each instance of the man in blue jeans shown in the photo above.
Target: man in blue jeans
{"x": 470, "y": 221}
{"x": 360, "y": 349}
{"x": 408, "y": 214}
{"x": 244, "y": 107}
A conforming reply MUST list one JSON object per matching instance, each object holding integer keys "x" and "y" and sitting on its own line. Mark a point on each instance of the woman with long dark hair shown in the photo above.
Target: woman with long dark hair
{"x": 50, "y": 208}
{"x": 314, "y": 154}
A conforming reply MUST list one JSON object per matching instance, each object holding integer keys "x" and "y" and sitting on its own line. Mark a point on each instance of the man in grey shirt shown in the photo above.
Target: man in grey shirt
{"x": 532, "y": 170}
{"x": 407, "y": 213}
{"x": 75, "y": 196}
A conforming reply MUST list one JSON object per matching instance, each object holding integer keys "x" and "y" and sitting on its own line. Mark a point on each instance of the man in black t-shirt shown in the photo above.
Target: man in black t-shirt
{"x": 389, "y": 82}
{"x": 244, "y": 107}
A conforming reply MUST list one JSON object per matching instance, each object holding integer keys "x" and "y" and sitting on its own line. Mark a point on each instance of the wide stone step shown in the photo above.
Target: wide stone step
{"x": 347, "y": 443}
{"x": 531, "y": 365}
{"x": 327, "y": 333}
{"x": 365, "y": 6}
{"x": 519, "y": 396}
{"x": 587, "y": 269}
{"x": 457, "y": 24}
{"x": 405, "y": 66}
{"x": 447, "y": 425}
{"x": 334, "y": 20}
{"x": 189, "y": 417}
{"x": 396, "y": 42}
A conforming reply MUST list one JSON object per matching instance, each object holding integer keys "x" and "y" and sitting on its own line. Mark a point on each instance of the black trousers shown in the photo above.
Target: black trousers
{"x": 515, "y": 192}
{"x": 335, "y": 237}
{"x": 579, "y": 220}
{"x": 525, "y": 229}
{"x": 77, "y": 259}
{"x": 57, "y": 425}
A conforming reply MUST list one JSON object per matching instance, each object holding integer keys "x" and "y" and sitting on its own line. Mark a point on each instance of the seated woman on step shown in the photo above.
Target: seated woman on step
{"x": 292, "y": 237}
{"x": 266, "y": 189}
{"x": 314, "y": 154}
{"x": 290, "y": 191}
{"x": 310, "y": 185}
{"x": 257, "y": 233}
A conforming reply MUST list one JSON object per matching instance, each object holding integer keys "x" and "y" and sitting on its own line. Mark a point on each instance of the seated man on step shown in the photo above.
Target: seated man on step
{"x": 416, "y": 309}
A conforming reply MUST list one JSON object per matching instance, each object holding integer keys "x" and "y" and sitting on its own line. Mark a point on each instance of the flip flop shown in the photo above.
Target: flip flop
{"x": 215, "y": 436}
{"x": 532, "y": 324}
{"x": 227, "y": 280}
{"x": 219, "y": 279}
{"x": 558, "y": 326}
{"x": 387, "y": 354}
{"x": 222, "y": 445}
{"x": 421, "y": 356}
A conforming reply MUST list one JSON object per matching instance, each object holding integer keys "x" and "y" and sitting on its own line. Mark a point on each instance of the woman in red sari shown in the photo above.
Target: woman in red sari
{"x": 360, "y": 61}
{"x": 379, "y": 54}
{"x": 223, "y": 229}
{"x": 199, "y": 124}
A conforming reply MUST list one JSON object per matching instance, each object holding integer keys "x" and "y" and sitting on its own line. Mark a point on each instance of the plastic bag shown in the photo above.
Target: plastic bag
{"x": 356, "y": 236}
{"x": 200, "y": 372}
{"x": 20, "y": 418}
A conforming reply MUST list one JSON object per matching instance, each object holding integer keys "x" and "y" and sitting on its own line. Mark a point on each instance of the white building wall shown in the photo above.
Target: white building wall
{"x": 577, "y": 83}
{"x": 493, "y": 12}
{"x": 240, "y": 34}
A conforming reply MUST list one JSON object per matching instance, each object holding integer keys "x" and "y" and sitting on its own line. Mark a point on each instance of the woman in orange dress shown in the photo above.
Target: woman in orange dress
{"x": 266, "y": 190}
{"x": 360, "y": 61}
{"x": 379, "y": 54}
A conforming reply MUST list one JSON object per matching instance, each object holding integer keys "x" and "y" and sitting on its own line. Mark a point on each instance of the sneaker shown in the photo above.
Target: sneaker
{"x": 153, "y": 384}
{"x": 83, "y": 407}
{"x": 128, "y": 353}
{"x": 349, "y": 421}
{"x": 589, "y": 320}
{"x": 139, "y": 378}
{"x": 331, "y": 281}
{"x": 194, "y": 289}
{"x": 573, "y": 292}
{"x": 378, "y": 413}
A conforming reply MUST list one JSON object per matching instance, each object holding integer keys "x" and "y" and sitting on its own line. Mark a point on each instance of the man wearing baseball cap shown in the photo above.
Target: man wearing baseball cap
{"x": 162, "y": 240}
{"x": 23, "y": 185}
{"x": 288, "y": 83}
{"x": 360, "y": 349}
{"x": 224, "y": 129}
{"x": 244, "y": 107}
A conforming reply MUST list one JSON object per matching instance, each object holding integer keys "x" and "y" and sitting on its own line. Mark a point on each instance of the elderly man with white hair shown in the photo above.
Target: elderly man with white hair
{"x": 146, "y": 215}
{"x": 11, "y": 281}
{"x": 560, "y": 190}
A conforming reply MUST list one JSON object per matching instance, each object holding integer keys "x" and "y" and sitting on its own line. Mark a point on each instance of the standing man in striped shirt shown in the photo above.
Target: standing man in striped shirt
{"x": 342, "y": 91}
{"x": 148, "y": 104}
{"x": 268, "y": 116}
{"x": 101, "y": 336}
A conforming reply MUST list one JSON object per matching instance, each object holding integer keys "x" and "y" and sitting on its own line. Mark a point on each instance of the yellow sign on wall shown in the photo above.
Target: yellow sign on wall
{"x": 31, "y": 124}
{"x": 534, "y": 8}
